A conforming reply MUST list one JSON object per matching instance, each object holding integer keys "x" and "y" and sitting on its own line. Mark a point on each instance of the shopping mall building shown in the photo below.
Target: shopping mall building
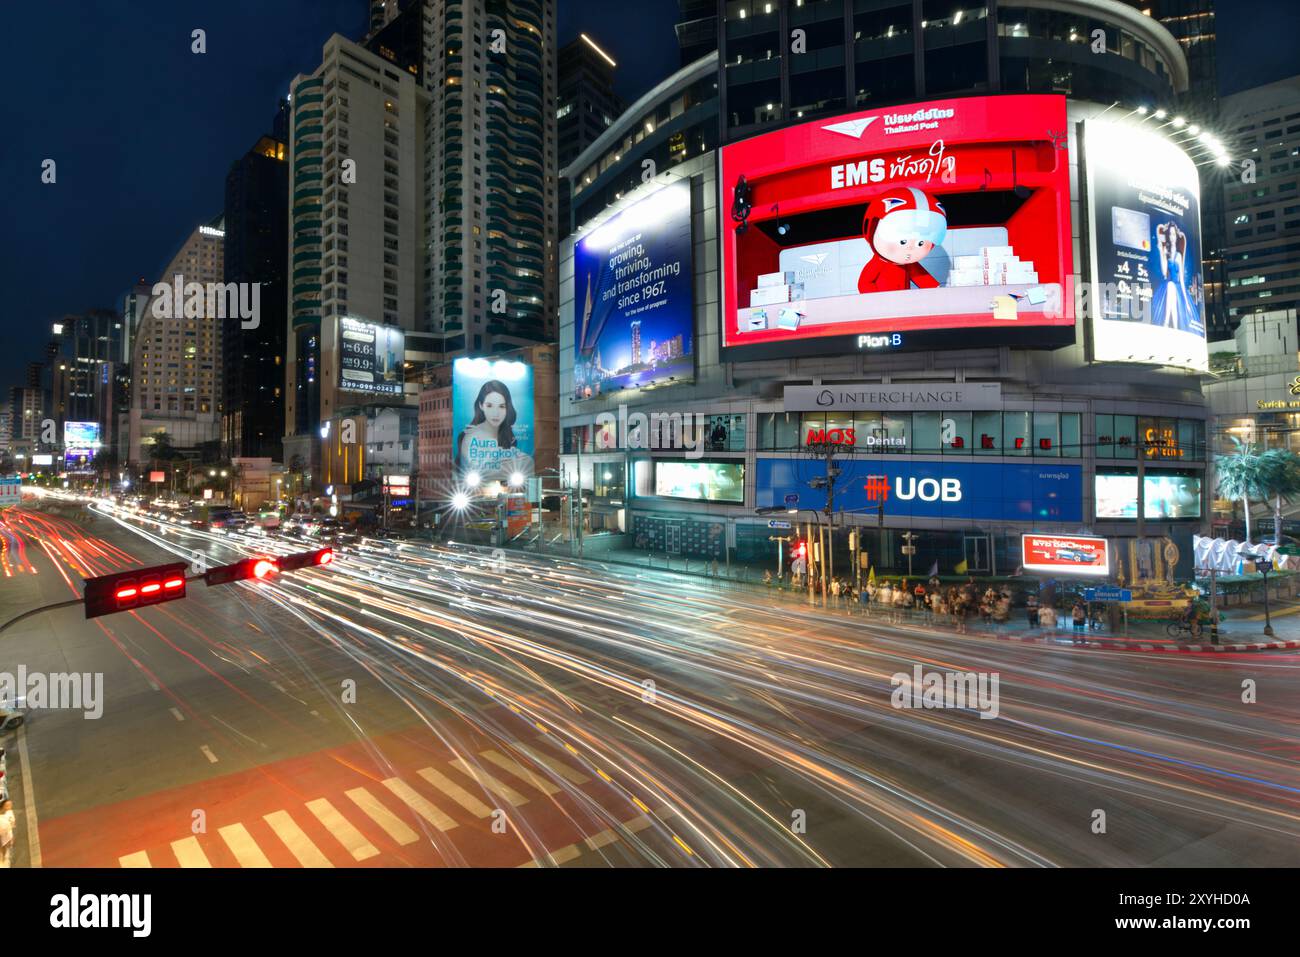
{"x": 958, "y": 256}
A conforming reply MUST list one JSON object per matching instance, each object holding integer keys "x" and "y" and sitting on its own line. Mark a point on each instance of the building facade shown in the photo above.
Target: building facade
{"x": 966, "y": 437}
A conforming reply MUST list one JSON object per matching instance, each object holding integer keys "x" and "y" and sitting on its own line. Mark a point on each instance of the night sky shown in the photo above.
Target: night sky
{"x": 143, "y": 131}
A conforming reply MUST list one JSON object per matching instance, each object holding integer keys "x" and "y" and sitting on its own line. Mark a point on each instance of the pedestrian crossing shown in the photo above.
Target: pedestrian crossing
{"x": 385, "y": 816}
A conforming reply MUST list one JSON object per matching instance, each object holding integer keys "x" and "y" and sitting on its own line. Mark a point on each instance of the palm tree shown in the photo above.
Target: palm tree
{"x": 1245, "y": 475}
{"x": 1283, "y": 477}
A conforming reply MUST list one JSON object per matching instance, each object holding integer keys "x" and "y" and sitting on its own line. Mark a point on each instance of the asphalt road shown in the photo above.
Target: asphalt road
{"x": 426, "y": 706}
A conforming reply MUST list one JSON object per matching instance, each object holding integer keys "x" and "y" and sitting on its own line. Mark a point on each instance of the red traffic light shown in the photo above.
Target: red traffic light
{"x": 249, "y": 568}
{"x": 800, "y": 549}
{"x": 290, "y": 563}
{"x": 137, "y": 588}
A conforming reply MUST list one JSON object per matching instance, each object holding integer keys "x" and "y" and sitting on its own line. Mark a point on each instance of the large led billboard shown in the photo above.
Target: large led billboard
{"x": 492, "y": 420}
{"x": 941, "y": 224}
{"x": 700, "y": 481}
{"x": 633, "y": 305}
{"x": 1168, "y": 495}
{"x": 1144, "y": 223}
{"x": 81, "y": 435}
{"x": 371, "y": 357}
{"x": 1080, "y": 555}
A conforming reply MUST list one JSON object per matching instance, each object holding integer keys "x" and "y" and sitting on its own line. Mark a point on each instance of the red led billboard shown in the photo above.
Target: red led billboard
{"x": 936, "y": 225}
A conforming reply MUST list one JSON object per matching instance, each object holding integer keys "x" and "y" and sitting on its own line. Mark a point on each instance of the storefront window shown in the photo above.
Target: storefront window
{"x": 785, "y": 430}
{"x": 1016, "y": 438}
{"x": 1071, "y": 440}
{"x": 868, "y": 428}
{"x": 988, "y": 433}
{"x": 954, "y": 433}
{"x": 1125, "y": 434}
{"x": 608, "y": 479}
{"x": 925, "y": 432}
{"x": 1047, "y": 433}
{"x": 895, "y": 426}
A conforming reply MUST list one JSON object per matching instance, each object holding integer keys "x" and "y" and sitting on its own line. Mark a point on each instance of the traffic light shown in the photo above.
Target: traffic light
{"x": 248, "y": 569}
{"x": 799, "y": 550}
{"x": 290, "y": 563}
{"x": 137, "y": 588}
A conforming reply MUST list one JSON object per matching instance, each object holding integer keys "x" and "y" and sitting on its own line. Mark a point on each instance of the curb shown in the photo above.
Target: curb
{"x": 1117, "y": 645}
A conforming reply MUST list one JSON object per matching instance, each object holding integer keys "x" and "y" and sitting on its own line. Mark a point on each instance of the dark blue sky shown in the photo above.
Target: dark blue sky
{"x": 143, "y": 130}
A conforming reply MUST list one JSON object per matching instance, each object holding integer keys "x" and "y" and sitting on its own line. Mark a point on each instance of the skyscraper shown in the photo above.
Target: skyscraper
{"x": 176, "y": 354}
{"x": 256, "y": 252}
{"x": 586, "y": 103}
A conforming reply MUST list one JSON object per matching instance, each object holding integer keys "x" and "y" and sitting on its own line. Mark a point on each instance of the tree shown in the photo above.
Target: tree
{"x": 160, "y": 446}
{"x": 1245, "y": 475}
{"x": 1283, "y": 476}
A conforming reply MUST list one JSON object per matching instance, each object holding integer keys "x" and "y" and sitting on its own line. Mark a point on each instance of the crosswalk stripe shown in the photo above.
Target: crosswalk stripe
{"x": 556, "y": 765}
{"x": 298, "y": 843}
{"x": 385, "y": 818}
{"x": 597, "y": 841}
{"x": 638, "y": 823}
{"x": 521, "y": 772}
{"x": 189, "y": 854}
{"x": 491, "y": 783}
{"x": 353, "y": 841}
{"x": 454, "y": 791}
{"x": 243, "y": 846}
{"x": 138, "y": 859}
{"x": 417, "y": 803}
{"x": 565, "y": 854}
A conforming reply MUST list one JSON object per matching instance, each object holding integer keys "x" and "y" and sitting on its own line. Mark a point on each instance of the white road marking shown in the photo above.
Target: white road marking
{"x": 490, "y": 783}
{"x": 454, "y": 791}
{"x": 298, "y": 843}
{"x": 243, "y": 846}
{"x": 417, "y": 803}
{"x": 521, "y": 772}
{"x": 597, "y": 841}
{"x": 176, "y": 714}
{"x": 138, "y": 859}
{"x": 207, "y": 753}
{"x": 189, "y": 853}
{"x": 353, "y": 841}
{"x": 29, "y": 800}
{"x": 385, "y": 818}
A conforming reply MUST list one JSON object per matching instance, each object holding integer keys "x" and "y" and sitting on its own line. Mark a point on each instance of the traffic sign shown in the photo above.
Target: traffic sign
{"x": 1288, "y": 549}
{"x": 792, "y": 498}
{"x": 1108, "y": 593}
{"x": 909, "y": 549}
{"x": 775, "y": 524}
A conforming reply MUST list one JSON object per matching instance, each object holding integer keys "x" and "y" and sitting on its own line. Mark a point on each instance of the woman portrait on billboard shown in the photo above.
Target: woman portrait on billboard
{"x": 1171, "y": 306}
{"x": 488, "y": 445}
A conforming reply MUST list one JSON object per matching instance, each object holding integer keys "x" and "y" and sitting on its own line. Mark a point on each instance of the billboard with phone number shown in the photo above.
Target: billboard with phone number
{"x": 892, "y": 227}
{"x": 1065, "y": 555}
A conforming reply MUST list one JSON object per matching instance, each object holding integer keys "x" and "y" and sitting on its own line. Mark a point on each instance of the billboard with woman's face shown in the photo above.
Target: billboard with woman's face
{"x": 492, "y": 420}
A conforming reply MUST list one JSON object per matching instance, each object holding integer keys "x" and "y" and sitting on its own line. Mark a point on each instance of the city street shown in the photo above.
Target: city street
{"x": 421, "y": 705}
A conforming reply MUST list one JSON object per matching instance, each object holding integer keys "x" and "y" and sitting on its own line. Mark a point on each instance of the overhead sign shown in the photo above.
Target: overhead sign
{"x": 1080, "y": 555}
{"x": 775, "y": 524}
{"x": 953, "y": 490}
{"x": 1144, "y": 220}
{"x": 907, "y": 396}
{"x": 11, "y": 490}
{"x": 892, "y": 227}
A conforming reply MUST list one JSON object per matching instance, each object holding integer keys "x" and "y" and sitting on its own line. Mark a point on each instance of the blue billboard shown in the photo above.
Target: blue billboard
{"x": 633, "y": 305}
{"x": 968, "y": 491}
{"x": 492, "y": 420}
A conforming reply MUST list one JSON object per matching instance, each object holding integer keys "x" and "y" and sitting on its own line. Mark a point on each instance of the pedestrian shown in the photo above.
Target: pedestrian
{"x": 1047, "y": 616}
{"x": 767, "y": 577}
{"x": 1031, "y": 610}
{"x": 1080, "y": 616}
{"x": 7, "y": 824}
{"x": 836, "y": 587}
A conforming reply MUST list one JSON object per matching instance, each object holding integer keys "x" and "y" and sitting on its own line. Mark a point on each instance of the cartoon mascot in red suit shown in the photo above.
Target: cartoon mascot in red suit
{"x": 902, "y": 226}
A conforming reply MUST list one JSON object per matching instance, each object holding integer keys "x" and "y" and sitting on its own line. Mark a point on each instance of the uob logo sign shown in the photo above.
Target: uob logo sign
{"x": 908, "y": 489}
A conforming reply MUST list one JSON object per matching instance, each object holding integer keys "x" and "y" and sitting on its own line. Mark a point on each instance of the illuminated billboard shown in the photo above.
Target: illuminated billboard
{"x": 700, "y": 481}
{"x": 81, "y": 435}
{"x": 1080, "y": 555}
{"x": 633, "y": 306}
{"x": 1168, "y": 495}
{"x": 893, "y": 228}
{"x": 370, "y": 357}
{"x": 1144, "y": 220}
{"x": 492, "y": 421}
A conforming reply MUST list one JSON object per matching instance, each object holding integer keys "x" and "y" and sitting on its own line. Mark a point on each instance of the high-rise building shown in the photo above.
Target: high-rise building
{"x": 356, "y": 206}
{"x": 697, "y": 29}
{"x": 176, "y": 353}
{"x": 85, "y": 370}
{"x": 1263, "y": 214}
{"x": 586, "y": 104}
{"x": 256, "y": 257}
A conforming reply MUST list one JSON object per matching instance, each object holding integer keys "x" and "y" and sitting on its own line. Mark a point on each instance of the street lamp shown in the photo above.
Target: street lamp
{"x": 516, "y": 479}
{"x": 473, "y": 479}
